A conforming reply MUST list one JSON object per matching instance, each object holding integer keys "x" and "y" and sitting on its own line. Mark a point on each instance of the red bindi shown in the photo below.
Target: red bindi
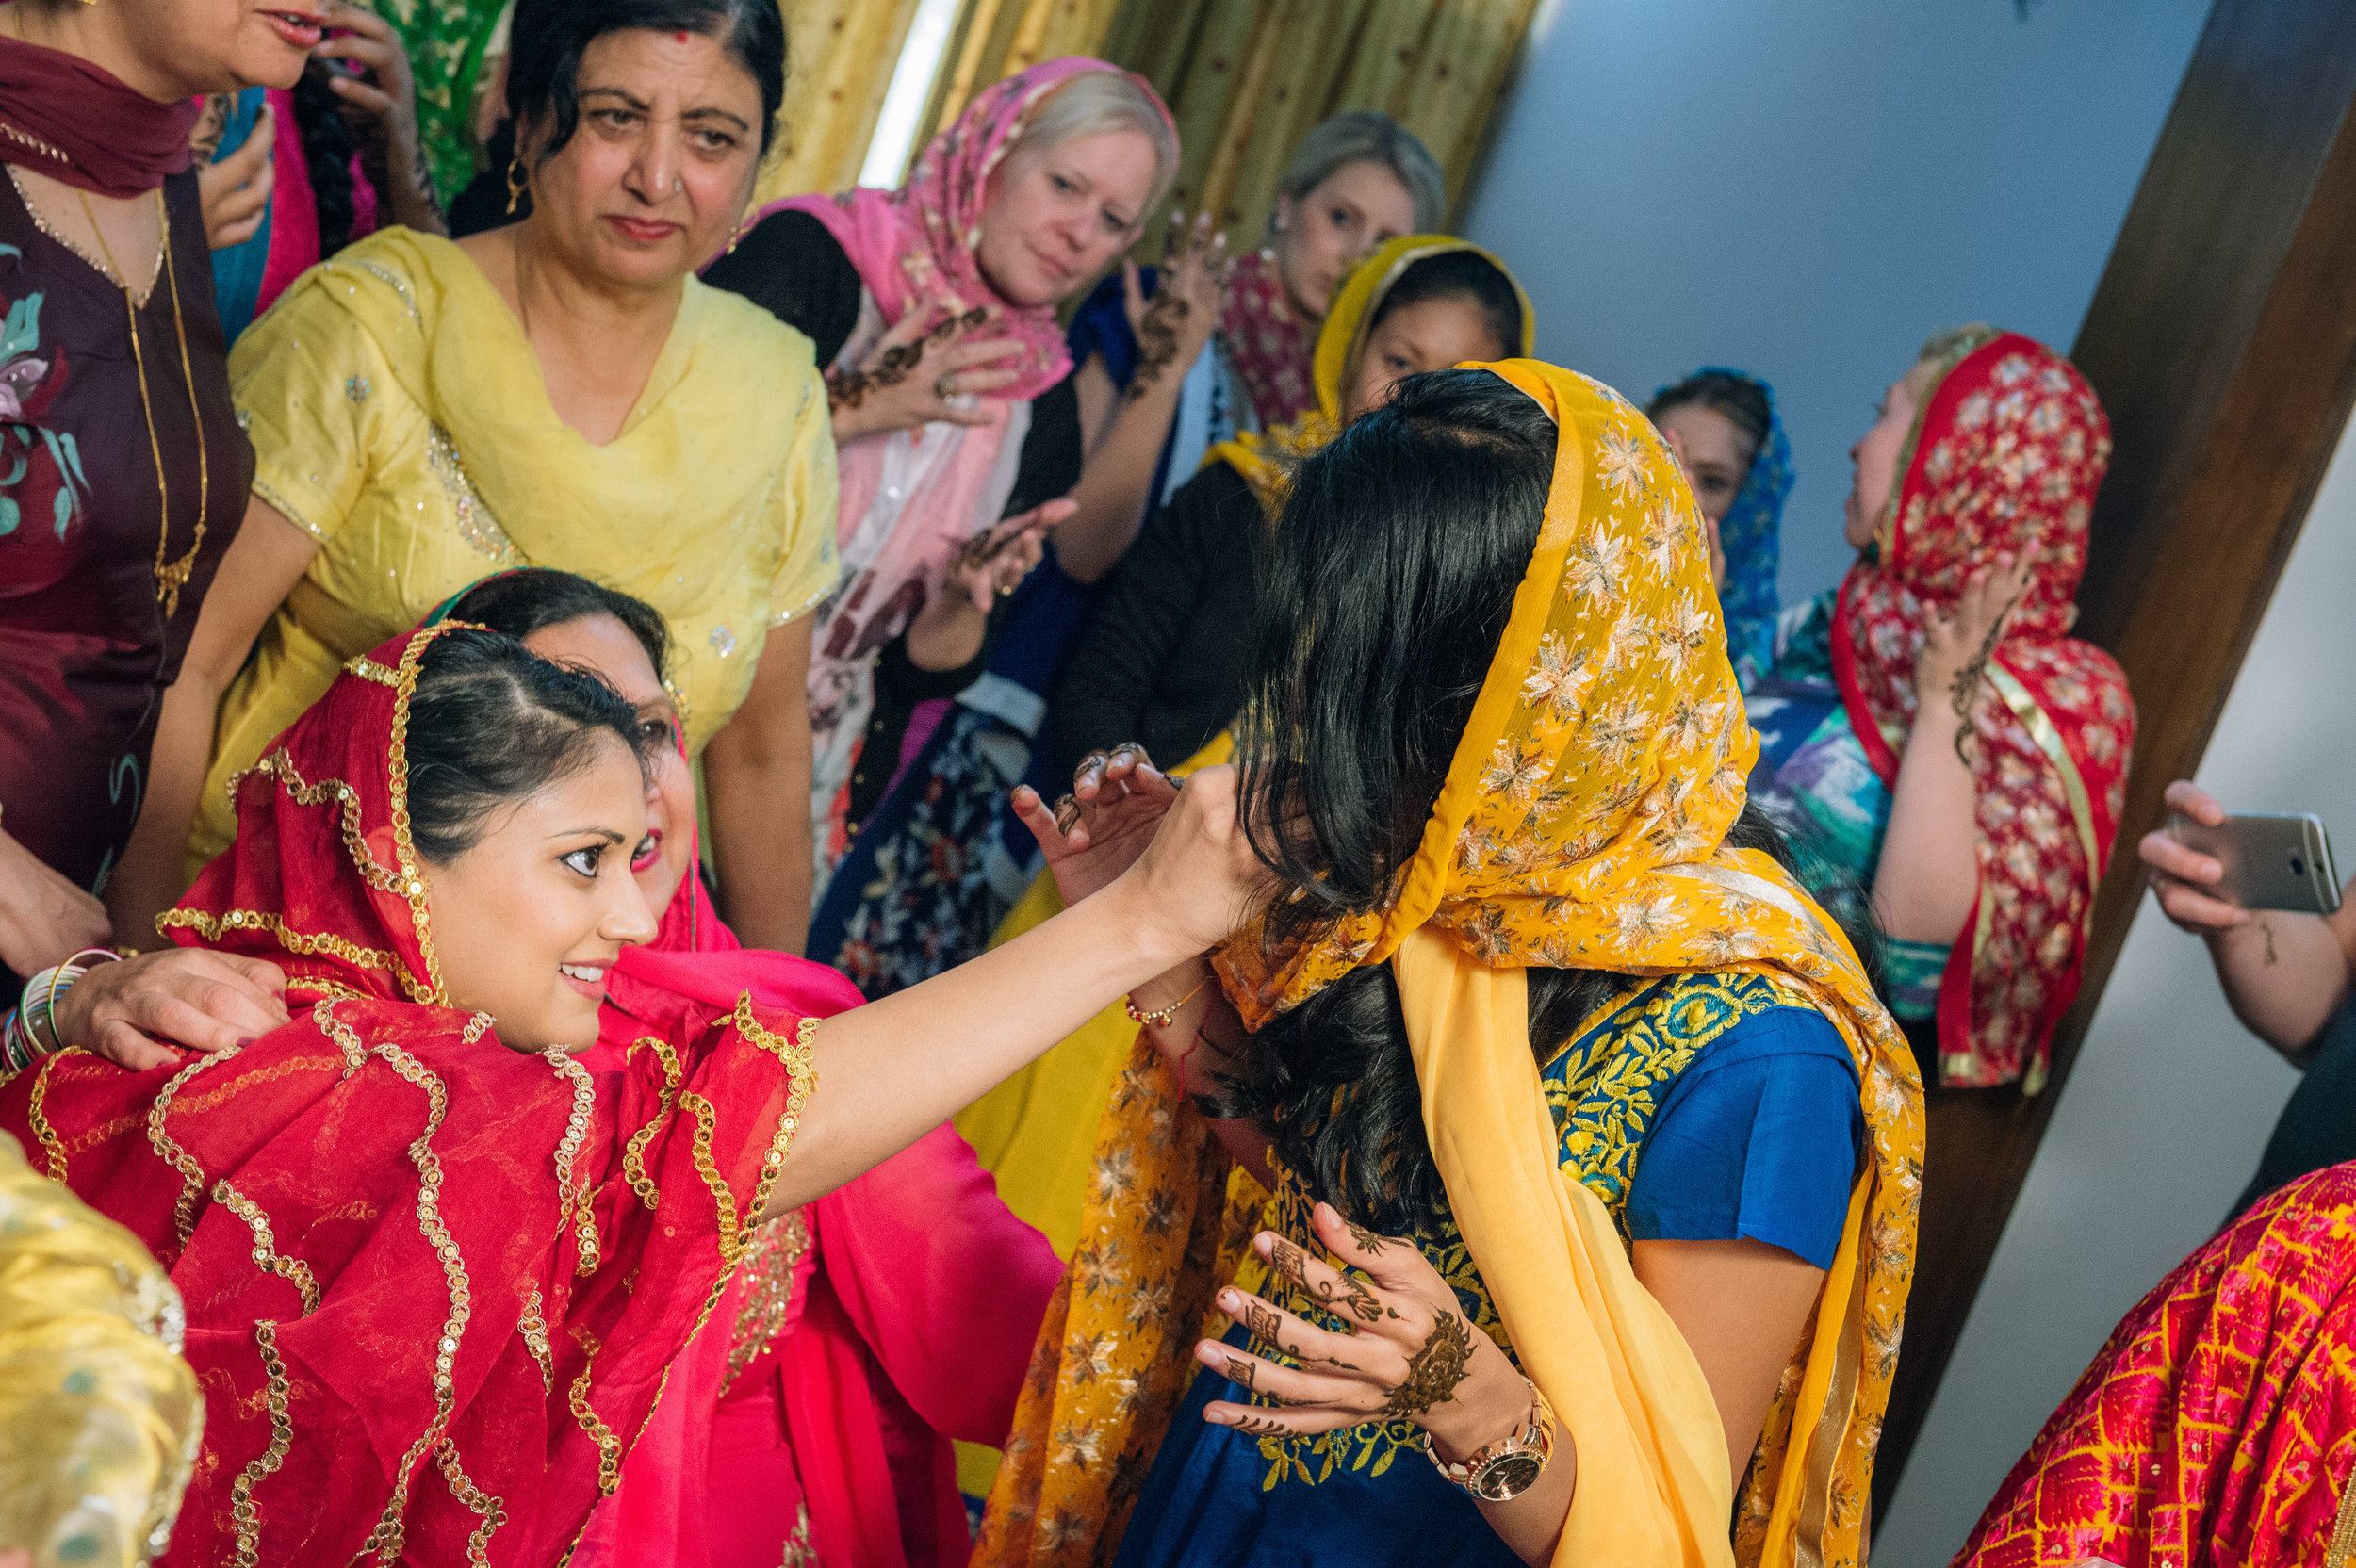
{"x": 679, "y": 37}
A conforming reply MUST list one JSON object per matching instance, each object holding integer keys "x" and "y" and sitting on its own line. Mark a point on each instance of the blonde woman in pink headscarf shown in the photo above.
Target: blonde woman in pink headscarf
{"x": 933, "y": 308}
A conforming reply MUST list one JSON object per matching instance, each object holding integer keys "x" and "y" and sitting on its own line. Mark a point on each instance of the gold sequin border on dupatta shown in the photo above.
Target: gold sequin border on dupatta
{"x": 406, "y": 879}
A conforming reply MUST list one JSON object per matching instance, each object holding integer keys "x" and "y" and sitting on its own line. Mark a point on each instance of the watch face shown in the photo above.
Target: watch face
{"x": 1508, "y": 1475}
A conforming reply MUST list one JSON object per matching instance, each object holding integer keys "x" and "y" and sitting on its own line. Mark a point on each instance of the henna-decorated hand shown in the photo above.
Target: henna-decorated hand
{"x": 1409, "y": 1354}
{"x": 993, "y": 563}
{"x": 376, "y": 80}
{"x": 234, "y": 191}
{"x": 1173, "y": 325}
{"x": 936, "y": 364}
{"x": 1095, "y": 833}
{"x": 1958, "y": 644}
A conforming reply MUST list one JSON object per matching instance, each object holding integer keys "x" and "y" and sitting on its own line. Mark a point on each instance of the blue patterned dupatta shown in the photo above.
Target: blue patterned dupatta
{"x": 1751, "y": 533}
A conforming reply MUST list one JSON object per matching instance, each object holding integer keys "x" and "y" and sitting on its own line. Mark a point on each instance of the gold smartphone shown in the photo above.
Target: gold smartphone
{"x": 2271, "y": 862}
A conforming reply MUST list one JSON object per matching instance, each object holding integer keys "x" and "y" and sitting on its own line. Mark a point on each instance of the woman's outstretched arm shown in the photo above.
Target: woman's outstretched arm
{"x": 892, "y": 1071}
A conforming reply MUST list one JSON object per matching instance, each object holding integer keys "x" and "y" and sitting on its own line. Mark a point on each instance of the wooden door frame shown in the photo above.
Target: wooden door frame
{"x": 2222, "y": 341}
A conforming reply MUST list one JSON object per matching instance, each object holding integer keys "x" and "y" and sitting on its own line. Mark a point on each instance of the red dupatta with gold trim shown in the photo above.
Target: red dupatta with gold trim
{"x": 434, "y": 1285}
{"x": 2006, "y": 455}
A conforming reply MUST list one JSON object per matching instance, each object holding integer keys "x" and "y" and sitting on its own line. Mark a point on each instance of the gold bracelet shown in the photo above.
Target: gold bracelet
{"x": 1160, "y": 1017}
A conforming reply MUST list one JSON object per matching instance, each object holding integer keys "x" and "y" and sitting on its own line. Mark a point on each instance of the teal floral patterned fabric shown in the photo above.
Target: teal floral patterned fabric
{"x": 1814, "y": 778}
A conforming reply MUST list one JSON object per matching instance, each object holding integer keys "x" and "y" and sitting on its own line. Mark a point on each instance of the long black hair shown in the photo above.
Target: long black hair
{"x": 491, "y": 723}
{"x": 548, "y": 38}
{"x": 1387, "y": 583}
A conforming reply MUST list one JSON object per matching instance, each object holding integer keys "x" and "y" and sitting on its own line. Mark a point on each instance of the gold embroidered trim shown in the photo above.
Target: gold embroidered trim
{"x": 211, "y": 926}
{"x": 266, "y": 1254}
{"x": 396, "y": 781}
{"x": 486, "y": 1508}
{"x": 534, "y": 1328}
{"x": 2043, "y": 730}
{"x": 368, "y": 669}
{"x": 347, "y": 1039}
{"x": 700, "y": 1147}
{"x": 635, "y": 1150}
{"x": 242, "y": 1511}
{"x": 801, "y": 1075}
{"x": 777, "y": 1249}
{"x": 573, "y": 1197}
{"x": 799, "y": 1553}
{"x": 52, "y": 1151}
{"x": 279, "y": 765}
{"x": 385, "y": 1539}
{"x": 609, "y": 1445}
{"x": 169, "y": 1151}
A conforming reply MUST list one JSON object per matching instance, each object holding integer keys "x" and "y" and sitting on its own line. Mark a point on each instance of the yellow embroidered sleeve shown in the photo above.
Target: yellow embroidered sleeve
{"x": 307, "y": 381}
{"x": 803, "y": 510}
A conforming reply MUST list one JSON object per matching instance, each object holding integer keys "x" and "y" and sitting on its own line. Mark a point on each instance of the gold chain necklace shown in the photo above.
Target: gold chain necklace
{"x": 171, "y": 576}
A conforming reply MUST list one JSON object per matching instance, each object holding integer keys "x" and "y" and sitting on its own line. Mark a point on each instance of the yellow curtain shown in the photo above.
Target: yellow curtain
{"x": 1248, "y": 78}
{"x": 839, "y": 57}
{"x": 994, "y": 38}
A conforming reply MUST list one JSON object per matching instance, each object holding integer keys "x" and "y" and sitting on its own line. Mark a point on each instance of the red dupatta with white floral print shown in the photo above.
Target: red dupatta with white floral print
{"x": 2006, "y": 455}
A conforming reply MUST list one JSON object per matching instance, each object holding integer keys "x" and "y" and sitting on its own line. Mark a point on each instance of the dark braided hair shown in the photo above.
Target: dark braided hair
{"x": 328, "y": 146}
{"x": 1387, "y": 585}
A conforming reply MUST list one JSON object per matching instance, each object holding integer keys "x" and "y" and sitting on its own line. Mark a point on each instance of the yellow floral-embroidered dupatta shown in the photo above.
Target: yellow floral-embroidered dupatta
{"x": 1580, "y": 825}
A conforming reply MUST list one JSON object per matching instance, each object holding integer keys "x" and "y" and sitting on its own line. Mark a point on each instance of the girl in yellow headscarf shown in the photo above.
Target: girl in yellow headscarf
{"x": 1593, "y": 1157}
{"x": 1163, "y": 665}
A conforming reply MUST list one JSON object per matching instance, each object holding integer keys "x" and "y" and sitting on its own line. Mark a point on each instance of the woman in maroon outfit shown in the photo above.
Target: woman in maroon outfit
{"x": 122, "y": 470}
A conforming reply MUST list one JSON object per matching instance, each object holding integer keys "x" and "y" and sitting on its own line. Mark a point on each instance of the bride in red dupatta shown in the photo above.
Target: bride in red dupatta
{"x": 434, "y": 1286}
{"x": 864, "y": 1329}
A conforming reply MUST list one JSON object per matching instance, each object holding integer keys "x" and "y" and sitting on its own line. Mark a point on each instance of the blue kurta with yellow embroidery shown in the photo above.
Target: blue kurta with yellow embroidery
{"x": 1701, "y": 1107}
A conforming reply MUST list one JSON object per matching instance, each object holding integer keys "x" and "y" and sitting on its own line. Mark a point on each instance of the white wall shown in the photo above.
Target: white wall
{"x": 1806, "y": 189}
{"x": 2172, "y": 1102}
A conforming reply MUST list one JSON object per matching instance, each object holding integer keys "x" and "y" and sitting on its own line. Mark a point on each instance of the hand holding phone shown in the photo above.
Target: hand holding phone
{"x": 2211, "y": 869}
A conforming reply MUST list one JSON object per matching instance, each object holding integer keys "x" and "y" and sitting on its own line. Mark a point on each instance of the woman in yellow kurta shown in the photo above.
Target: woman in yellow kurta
{"x": 1393, "y": 315}
{"x": 1591, "y": 1158}
{"x": 562, "y": 392}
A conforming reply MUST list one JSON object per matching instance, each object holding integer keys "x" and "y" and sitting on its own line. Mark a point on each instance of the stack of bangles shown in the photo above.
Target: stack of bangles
{"x": 22, "y": 1041}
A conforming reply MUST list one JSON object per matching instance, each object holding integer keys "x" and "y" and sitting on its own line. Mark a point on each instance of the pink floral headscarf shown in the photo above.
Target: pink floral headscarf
{"x": 916, "y": 244}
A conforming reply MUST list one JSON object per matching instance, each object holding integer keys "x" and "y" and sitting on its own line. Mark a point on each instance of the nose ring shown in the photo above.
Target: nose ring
{"x": 679, "y": 185}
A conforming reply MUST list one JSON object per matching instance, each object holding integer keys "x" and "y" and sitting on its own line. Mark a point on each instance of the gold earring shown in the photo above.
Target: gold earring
{"x": 517, "y": 181}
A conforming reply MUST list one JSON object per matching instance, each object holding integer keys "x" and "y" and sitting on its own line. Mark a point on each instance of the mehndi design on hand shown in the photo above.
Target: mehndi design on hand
{"x": 1435, "y": 1371}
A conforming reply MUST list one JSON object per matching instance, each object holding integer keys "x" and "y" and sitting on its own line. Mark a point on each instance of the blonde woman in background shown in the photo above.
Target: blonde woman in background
{"x": 934, "y": 307}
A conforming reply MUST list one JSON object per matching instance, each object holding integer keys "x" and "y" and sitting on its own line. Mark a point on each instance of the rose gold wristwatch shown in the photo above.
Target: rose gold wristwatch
{"x": 1510, "y": 1466}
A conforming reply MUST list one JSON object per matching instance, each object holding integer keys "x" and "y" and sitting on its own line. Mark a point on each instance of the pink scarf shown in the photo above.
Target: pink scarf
{"x": 913, "y": 246}
{"x": 911, "y": 1318}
